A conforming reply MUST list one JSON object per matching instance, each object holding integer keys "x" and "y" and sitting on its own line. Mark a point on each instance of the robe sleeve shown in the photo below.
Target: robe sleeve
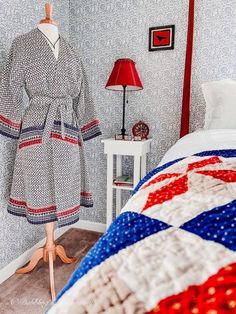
{"x": 85, "y": 108}
{"x": 11, "y": 93}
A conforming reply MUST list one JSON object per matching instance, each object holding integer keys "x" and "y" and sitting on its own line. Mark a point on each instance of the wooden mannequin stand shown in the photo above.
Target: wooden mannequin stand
{"x": 50, "y": 250}
{"x": 48, "y": 253}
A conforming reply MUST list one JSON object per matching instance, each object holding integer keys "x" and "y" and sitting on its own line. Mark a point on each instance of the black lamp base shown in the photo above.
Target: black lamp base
{"x": 124, "y": 137}
{"x": 123, "y": 133}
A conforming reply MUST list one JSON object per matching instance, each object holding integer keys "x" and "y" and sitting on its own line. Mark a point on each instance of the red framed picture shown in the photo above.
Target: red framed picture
{"x": 161, "y": 37}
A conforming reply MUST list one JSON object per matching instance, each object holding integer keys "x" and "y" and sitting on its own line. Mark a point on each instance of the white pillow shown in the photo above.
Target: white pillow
{"x": 220, "y": 97}
{"x": 201, "y": 140}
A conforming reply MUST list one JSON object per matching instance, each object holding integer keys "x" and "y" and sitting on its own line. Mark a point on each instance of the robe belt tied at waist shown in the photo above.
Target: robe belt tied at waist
{"x": 62, "y": 104}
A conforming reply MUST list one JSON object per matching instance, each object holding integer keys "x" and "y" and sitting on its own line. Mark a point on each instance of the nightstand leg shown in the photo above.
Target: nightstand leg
{"x": 118, "y": 192}
{"x": 136, "y": 170}
{"x": 143, "y": 165}
{"x": 109, "y": 189}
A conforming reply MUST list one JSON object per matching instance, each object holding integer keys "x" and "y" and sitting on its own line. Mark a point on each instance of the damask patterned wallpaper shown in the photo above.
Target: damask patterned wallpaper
{"x": 108, "y": 30}
{"x": 104, "y": 31}
{"x": 18, "y": 17}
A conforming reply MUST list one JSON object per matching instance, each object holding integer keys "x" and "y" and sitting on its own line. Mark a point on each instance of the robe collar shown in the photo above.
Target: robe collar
{"x": 46, "y": 46}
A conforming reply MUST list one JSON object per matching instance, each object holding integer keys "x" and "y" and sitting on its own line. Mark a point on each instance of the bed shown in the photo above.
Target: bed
{"x": 172, "y": 248}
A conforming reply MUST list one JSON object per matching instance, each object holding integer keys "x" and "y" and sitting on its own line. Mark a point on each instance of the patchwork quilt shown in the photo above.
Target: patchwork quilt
{"x": 171, "y": 250}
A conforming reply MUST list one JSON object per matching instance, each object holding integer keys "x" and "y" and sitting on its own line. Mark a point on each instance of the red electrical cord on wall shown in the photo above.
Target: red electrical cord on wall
{"x": 185, "y": 118}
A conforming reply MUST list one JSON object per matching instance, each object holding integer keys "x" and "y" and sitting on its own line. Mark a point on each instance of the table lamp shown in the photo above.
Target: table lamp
{"x": 124, "y": 77}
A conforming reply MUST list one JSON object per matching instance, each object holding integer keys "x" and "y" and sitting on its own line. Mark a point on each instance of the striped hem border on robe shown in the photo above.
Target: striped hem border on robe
{"x": 9, "y": 128}
{"x": 33, "y": 135}
{"x": 91, "y": 130}
{"x": 86, "y": 199}
{"x": 42, "y": 215}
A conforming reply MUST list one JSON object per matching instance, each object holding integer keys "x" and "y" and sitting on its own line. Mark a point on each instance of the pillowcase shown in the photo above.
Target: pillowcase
{"x": 201, "y": 140}
{"x": 220, "y": 97}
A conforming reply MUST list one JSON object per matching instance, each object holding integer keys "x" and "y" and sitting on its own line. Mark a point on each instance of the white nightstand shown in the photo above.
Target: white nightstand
{"x": 139, "y": 150}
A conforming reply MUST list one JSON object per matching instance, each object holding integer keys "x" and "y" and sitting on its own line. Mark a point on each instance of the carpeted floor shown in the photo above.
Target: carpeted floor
{"x": 29, "y": 293}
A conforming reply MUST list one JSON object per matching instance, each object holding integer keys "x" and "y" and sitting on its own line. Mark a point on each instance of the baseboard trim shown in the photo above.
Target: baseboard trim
{"x": 10, "y": 269}
{"x": 90, "y": 225}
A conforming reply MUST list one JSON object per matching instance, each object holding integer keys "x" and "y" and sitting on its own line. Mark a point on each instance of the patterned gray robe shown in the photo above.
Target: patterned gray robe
{"x": 50, "y": 180}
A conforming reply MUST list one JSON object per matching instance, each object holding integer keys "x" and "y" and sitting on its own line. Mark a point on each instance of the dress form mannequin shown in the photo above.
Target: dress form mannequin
{"x": 51, "y": 32}
{"x": 49, "y": 252}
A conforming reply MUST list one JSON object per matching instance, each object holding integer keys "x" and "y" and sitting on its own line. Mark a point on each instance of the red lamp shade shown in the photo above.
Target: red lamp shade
{"x": 123, "y": 74}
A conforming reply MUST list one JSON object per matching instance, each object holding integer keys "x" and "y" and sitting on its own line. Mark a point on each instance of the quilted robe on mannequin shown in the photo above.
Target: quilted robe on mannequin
{"x": 50, "y": 181}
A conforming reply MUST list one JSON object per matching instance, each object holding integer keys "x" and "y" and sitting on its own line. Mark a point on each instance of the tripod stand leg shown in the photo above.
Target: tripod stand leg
{"x": 60, "y": 251}
{"x": 33, "y": 262}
